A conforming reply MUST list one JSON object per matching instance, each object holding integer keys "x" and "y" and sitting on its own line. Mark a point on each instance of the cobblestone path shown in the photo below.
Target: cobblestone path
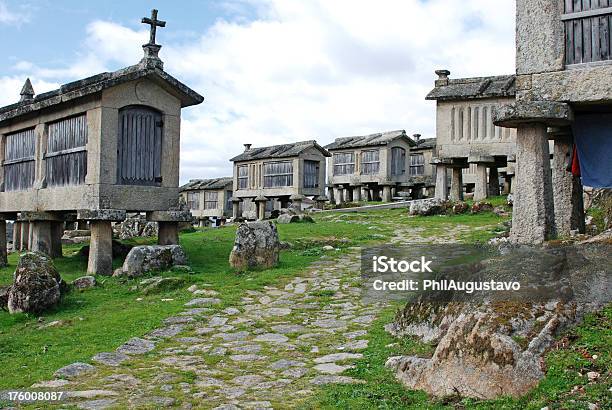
{"x": 272, "y": 350}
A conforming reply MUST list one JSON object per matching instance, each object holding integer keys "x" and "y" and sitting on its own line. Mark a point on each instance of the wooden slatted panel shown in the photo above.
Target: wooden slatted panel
{"x": 19, "y": 171}
{"x": 587, "y": 39}
{"x": 311, "y": 174}
{"x": 66, "y": 158}
{"x": 398, "y": 161}
{"x": 139, "y": 148}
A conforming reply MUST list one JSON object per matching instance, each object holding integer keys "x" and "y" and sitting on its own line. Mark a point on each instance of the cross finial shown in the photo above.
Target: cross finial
{"x": 154, "y": 23}
{"x": 27, "y": 92}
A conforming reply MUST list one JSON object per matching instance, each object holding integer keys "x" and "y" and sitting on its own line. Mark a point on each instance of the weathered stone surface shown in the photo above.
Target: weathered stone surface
{"x": 203, "y": 302}
{"x": 287, "y": 218}
{"x": 256, "y": 246}
{"x": 110, "y": 358}
{"x": 322, "y": 380}
{"x": 335, "y": 357}
{"x": 96, "y": 404}
{"x": 37, "y": 285}
{"x": 331, "y": 368}
{"x": 135, "y": 226}
{"x": 136, "y": 345}
{"x": 84, "y": 282}
{"x": 426, "y": 207}
{"x": 550, "y": 113}
{"x": 119, "y": 250}
{"x": 4, "y": 293}
{"x": 147, "y": 258}
{"x": 162, "y": 285}
{"x": 74, "y": 370}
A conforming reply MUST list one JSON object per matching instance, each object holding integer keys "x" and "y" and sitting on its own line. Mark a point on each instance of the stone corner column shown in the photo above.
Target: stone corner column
{"x": 441, "y": 182}
{"x": 100, "y": 261}
{"x": 567, "y": 192}
{"x": 533, "y": 217}
{"x": 387, "y": 193}
{"x": 456, "y": 193}
{"x": 260, "y": 205}
{"x": 168, "y": 224}
{"x": 43, "y": 232}
{"x": 356, "y": 193}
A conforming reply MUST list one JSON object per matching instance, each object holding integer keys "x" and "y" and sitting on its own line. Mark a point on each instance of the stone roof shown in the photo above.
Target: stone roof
{"x": 99, "y": 82}
{"x": 426, "y": 143}
{"x": 473, "y": 88}
{"x": 203, "y": 184}
{"x": 372, "y": 140}
{"x": 279, "y": 151}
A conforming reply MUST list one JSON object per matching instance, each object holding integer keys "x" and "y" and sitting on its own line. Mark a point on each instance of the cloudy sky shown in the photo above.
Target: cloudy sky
{"x": 272, "y": 71}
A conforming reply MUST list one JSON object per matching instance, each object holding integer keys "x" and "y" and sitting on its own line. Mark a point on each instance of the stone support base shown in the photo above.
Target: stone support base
{"x": 356, "y": 193}
{"x": 567, "y": 193}
{"x": 3, "y": 252}
{"x": 17, "y": 236}
{"x": 456, "y": 193}
{"x": 101, "y": 248}
{"x": 387, "y": 193}
{"x": 441, "y": 182}
{"x": 480, "y": 189}
{"x": 493, "y": 181}
{"x": 168, "y": 233}
{"x": 533, "y": 215}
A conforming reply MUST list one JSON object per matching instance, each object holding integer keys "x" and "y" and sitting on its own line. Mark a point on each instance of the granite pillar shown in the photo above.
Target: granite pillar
{"x": 168, "y": 233}
{"x": 567, "y": 192}
{"x": 456, "y": 193}
{"x": 493, "y": 181}
{"x": 441, "y": 182}
{"x": 480, "y": 188}
{"x": 101, "y": 248}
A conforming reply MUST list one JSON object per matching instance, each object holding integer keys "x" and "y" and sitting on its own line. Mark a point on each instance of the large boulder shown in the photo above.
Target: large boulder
{"x": 256, "y": 246}
{"x": 37, "y": 285}
{"x": 148, "y": 258}
{"x": 491, "y": 347}
{"x": 427, "y": 207}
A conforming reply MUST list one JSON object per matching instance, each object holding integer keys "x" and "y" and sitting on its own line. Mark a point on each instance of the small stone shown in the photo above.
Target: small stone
{"x": 206, "y": 292}
{"x": 335, "y": 357}
{"x": 246, "y": 357}
{"x": 192, "y": 288}
{"x": 248, "y": 380}
{"x": 276, "y": 312}
{"x": 208, "y": 382}
{"x": 330, "y": 323}
{"x": 166, "y": 332}
{"x": 189, "y": 340}
{"x": 203, "y": 302}
{"x": 218, "y": 351}
{"x": 284, "y": 329}
{"x": 331, "y": 368}
{"x": 354, "y": 345}
{"x": 96, "y": 404}
{"x": 204, "y": 330}
{"x": 295, "y": 372}
{"x": 592, "y": 376}
{"x": 322, "y": 380}
{"x": 264, "y": 300}
{"x": 175, "y": 320}
{"x": 74, "y": 370}
{"x": 354, "y": 335}
{"x": 272, "y": 338}
{"x": 110, "y": 358}
{"x": 231, "y": 311}
{"x": 84, "y": 282}
{"x": 136, "y": 345}
{"x": 50, "y": 384}
{"x": 229, "y": 337}
{"x": 232, "y": 392}
{"x": 284, "y": 364}
{"x": 157, "y": 401}
{"x": 300, "y": 288}
{"x": 328, "y": 248}
{"x": 217, "y": 321}
{"x": 89, "y": 394}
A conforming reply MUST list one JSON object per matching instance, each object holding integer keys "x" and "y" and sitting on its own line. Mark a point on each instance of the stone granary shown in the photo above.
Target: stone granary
{"x": 92, "y": 151}
{"x": 467, "y": 140}
{"x": 270, "y": 177}
{"x": 369, "y": 167}
{"x": 564, "y": 94}
{"x": 209, "y": 199}
{"x": 421, "y": 172}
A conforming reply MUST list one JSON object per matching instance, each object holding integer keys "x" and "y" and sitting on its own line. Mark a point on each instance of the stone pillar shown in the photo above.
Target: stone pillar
{"x": 357, "y": 193}
{"x": 41, "y": 237}
{"x": 441, "y": 182}
{"x": 168, "y": 233}
{"x": 533, "y": 215}
{"x": 567, "y": 192}
{"x": 260, "y": 206}
{"x": 101, "y": 248}
{"x": 512, "y": 183}
{"x": 387, "y": 193}
{"x": 30, "y": 236}
{"x": 347, "y": 194}
{"x": 337, "y": 197}
{"x": 296, "y": 202}
{"x": 17, "y": 236}
{"x": 3, "y": 251}
{"x": 57, "y": 231}
{"x": 25, "y": 236}
{"x": 456, "y": 193}
{"x": 365, "y": 193}
{"x": 480, "y": 189}
{"x": 493, "y": 181}
{"x": 236, "y": 208}
{"x": 507, "y": 184}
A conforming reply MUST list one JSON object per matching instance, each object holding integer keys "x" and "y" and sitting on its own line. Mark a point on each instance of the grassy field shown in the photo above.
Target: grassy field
{"x": 103, "y": 318}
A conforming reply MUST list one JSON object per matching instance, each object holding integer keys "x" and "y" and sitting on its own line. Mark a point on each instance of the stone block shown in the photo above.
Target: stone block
{"x": 169, "y": 216}
{"x": 112, "y": 215}
{"x": 550, "y": 113}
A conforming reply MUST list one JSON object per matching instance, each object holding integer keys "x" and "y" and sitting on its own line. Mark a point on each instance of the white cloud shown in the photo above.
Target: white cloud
{"x": 12, "y": 17}
{"x": 317, "y": 69}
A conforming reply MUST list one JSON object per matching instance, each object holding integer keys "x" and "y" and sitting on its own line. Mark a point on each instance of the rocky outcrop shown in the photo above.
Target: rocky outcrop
{"x": 147, "y": 258}
{"x": 427, "y": 207}
{"x": 135, "y": 226}
{"x": 494, "y": 347}
{"x": 37, "y": 285}
{"x": 256, "y": 246}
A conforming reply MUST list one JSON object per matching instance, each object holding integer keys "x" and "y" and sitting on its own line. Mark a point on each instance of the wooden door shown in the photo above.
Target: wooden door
{"x": 139, "y": 148}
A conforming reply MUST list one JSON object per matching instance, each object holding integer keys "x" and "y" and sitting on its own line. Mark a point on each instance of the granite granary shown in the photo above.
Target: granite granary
{"x": 92, "y": 151}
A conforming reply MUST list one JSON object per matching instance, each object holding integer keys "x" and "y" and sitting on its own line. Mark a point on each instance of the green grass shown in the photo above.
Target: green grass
{"x": 102, "y": 318}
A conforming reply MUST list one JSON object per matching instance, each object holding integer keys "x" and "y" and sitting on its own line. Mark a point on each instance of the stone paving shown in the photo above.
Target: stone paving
{"x": 271, "y": 350}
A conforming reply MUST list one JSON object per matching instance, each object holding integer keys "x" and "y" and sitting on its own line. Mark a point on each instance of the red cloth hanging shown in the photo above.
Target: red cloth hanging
{"x": 575, "y": 163}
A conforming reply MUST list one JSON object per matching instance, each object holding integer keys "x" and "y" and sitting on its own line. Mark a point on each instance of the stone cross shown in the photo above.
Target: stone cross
{"x": 154, "y": 23}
